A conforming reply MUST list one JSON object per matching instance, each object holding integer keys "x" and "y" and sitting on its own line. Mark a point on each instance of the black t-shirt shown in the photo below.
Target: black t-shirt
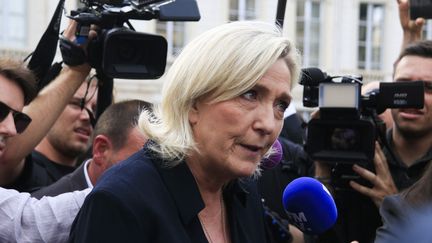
{"x": 39, "y": 172}
{"x": 404, "y": 176}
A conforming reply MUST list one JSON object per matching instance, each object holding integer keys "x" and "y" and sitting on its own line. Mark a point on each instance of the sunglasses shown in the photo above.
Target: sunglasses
{"x": 21, "y": 120}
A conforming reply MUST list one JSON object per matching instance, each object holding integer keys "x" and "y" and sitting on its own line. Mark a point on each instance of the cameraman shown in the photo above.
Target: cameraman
{"x": 396, "y": 167}
{"x": 44, "y": 111}
{"x": 411, "y": 137}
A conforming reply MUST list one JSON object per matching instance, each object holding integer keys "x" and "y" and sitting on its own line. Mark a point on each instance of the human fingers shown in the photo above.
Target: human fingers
{"x": 404, "y": 16}
{"x": 70, "y": 30}
{"x": 380, "y": 162}
{"x": 366, "y": 174}
{"x": 362, "y": 189}
{"x": 419, "y": 22}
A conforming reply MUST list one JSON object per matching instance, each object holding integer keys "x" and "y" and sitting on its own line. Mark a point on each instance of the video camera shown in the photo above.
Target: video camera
{"x": 345, "y": 132}
{"x": 120, "y": 51}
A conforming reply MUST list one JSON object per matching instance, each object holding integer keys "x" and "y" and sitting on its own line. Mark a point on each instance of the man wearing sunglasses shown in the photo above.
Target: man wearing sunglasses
{"x": 26, "y": 219}
{"x": 65, "y": 105}
{"x": 17, "y": 85}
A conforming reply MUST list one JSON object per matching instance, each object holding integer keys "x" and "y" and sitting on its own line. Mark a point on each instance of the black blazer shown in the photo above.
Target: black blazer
{"x": 138, "y": 201}
{"x": 74, "y": 181}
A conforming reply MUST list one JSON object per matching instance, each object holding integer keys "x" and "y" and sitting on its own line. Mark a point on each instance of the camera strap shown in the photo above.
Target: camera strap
{"x": 43, "y": 55}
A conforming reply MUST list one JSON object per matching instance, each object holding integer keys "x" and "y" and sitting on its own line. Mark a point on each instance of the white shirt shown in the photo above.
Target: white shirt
{"x": 27, "y": 219}
{"x": 86, "y": 175}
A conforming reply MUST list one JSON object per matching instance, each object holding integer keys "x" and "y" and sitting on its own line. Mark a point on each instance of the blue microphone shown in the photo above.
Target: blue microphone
{"x": 309, "y": 205}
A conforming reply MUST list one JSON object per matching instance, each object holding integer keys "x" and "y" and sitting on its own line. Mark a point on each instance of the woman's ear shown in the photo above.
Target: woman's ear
{"x": 194, "y": 114}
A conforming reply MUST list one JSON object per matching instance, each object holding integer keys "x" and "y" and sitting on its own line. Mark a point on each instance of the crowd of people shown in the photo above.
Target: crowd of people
{"x": 189, "y": 169}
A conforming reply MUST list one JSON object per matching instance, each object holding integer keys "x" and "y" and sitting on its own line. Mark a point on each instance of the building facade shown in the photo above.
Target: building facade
{"x": 341, "y": 37}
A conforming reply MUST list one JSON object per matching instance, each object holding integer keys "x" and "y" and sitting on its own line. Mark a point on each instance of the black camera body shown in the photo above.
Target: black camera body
{"x": 346, "y": 131}
{"x": 420, "y": 9}
{"x": 121, "y": 52}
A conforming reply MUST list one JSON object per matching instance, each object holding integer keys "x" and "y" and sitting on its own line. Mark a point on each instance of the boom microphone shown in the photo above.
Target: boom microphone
{"x": 275, "y": 158}
{"x": 309, "y": 205}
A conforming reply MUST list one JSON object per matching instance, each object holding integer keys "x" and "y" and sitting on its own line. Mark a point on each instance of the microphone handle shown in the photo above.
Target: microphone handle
{"x": 282, "y": 225}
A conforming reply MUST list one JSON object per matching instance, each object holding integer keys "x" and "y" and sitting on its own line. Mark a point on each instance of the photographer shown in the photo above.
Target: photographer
{"x": 44, "y": 110}
{"x": 395, "y": 167}
{"x": 409, "y": 141}
{"x": 411, "y": 137}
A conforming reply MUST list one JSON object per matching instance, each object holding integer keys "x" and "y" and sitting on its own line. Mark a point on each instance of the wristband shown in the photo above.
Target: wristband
{"x": 72, "y": 54}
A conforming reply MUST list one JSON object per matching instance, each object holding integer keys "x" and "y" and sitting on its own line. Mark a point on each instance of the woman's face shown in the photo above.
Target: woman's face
{"x": 234, "y": 135}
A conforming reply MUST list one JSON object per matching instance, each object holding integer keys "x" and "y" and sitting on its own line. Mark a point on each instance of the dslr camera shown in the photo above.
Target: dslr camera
{"x": 347, "y": 127}
{"x": 121, "y": 52}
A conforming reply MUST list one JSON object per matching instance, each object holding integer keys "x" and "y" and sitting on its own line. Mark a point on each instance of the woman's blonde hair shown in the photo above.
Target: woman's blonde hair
{"x": 220, "y": 64}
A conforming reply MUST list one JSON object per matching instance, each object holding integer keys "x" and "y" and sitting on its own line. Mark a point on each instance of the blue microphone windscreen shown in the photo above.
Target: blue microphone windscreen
{"x": 309, "y": 205}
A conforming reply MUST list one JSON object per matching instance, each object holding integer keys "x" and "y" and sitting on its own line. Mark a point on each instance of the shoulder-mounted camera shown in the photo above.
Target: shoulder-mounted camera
{"x": 345, "y": 131}
{"x": 121, "y": 52}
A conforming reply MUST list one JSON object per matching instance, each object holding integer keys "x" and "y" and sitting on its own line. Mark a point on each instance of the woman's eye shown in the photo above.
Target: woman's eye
{"x": 282, "y": 105}
{"x": 250, "y": 95}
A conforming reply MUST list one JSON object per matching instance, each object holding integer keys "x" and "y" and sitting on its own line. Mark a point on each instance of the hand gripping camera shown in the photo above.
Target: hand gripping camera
{"x": 120, "y": 51}
{"x": 346, "y": 129}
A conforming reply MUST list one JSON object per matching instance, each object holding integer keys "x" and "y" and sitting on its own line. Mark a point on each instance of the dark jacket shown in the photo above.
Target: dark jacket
{"x": 74, "y": 181}
{"x": 403, "y": 223}
{"x": 139, "y": 201}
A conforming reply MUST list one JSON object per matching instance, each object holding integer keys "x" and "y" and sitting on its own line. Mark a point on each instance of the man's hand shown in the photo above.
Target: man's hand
{"x": 382, "y": 181}
{"x": 412, "y": 29}
{"x": 74, "y": 54}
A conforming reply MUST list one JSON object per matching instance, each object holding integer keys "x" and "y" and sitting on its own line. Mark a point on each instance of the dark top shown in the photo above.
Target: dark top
{"x": 358, "y": 216}
{"x": 139, "y": 201}
{"x": 403, "y": 223}
{"x": 293, "y": 129}
{"x": 39, "y": 172}
{"x": 74, "y": 181}
{"x": 294, "y": 164}
{"x": 404, "y": 176}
